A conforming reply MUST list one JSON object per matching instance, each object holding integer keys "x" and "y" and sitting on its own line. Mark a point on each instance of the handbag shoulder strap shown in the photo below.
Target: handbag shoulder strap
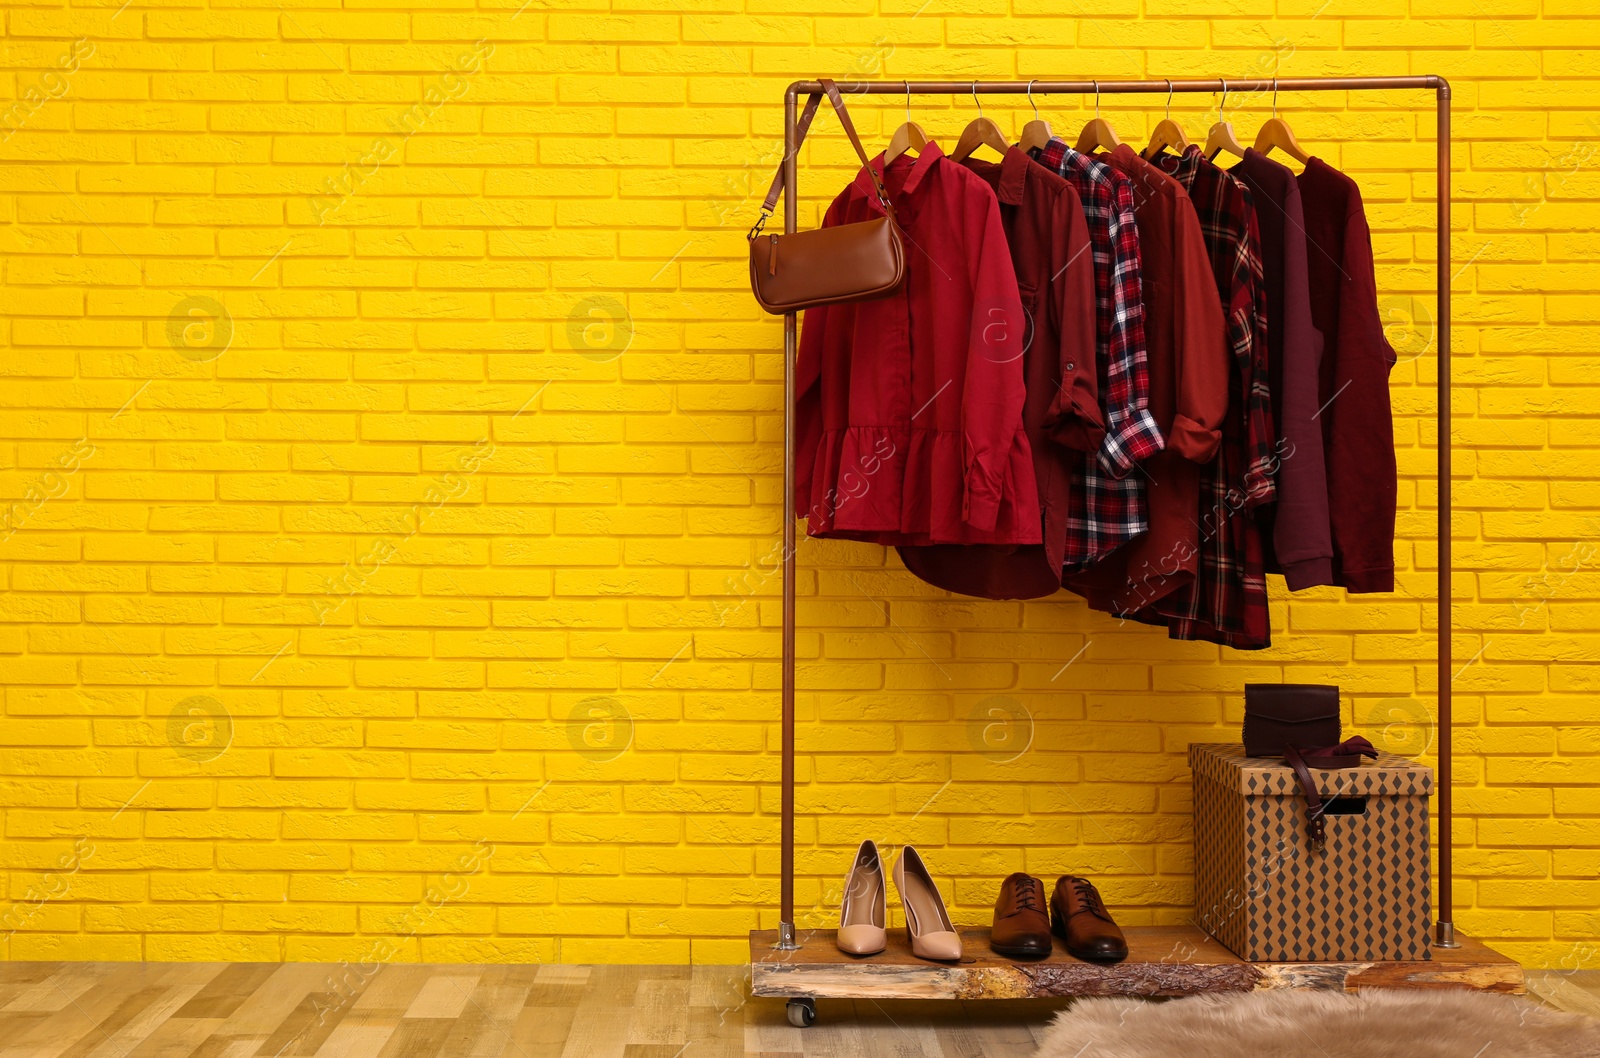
{"x": 1314, "y": 806}
{"x": 800, "y": 130}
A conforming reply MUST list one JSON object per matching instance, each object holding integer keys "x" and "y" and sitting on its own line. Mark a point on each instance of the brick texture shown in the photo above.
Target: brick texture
{"x": 389, "y": 450}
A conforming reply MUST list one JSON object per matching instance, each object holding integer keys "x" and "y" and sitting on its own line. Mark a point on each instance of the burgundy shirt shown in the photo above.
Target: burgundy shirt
{"x": 1050, "y": 253}
{"x": 1228, "y": 601}
{"x": 1357, "y": 422}
{"x": 1297, "y": 538}
{"x": 908, "y": 408}
{"x": 1188, "y": 359}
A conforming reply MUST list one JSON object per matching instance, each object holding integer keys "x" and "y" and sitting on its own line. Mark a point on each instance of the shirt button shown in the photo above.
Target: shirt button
{"x": 1072, "y": 367}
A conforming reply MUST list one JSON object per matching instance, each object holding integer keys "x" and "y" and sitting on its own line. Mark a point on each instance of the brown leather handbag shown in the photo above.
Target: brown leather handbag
{"x": 828, "y": 266}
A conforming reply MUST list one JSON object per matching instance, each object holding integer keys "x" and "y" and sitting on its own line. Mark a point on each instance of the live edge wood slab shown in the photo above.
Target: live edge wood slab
{"x": 1162, "y": 961}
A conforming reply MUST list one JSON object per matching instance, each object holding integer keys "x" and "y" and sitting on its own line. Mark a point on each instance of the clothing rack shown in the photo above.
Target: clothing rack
{"x": 1445, "y": 936}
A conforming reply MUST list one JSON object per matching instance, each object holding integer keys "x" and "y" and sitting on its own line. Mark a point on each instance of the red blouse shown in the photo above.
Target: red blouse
{"x": 908, "y": 409}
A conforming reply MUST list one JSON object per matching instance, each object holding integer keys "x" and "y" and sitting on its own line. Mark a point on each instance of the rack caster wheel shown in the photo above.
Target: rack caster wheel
{"x": 802, "y": 1013}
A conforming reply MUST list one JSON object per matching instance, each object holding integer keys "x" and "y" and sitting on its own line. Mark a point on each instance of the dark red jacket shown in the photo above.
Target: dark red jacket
{"x": 1050, "y": 252}
{"x": 1357, "y": 422}
{"x": 1188, "y": 359}
{"x": 1298, "y": 541}
{"x": 909, "y": 408}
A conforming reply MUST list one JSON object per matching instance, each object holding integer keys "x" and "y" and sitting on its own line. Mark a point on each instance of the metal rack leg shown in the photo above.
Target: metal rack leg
{"x": 786, "y": 938}
{"x": 1446, "y": 929}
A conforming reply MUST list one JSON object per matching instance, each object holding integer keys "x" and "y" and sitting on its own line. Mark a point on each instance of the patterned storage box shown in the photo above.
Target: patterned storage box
{"x": 1267, "y": 897}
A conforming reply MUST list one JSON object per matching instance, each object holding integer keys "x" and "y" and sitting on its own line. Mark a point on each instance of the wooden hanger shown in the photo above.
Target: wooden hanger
{"x": 1277, "y": 133}
{"x": 909, "y": 136}
{"x": 979, "y": 131}
{"x": 1035, "y": 133}
{"x": 1222, "y": 137}
{"x": 1098, "y": 133}
{"x": 1168, "y": 133}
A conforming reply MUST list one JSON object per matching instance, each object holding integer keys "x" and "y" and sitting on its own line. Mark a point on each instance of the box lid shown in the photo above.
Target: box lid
{"x": 1227, "y": 765}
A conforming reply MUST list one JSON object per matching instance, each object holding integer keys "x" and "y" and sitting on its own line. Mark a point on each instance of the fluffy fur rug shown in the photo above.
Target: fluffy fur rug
{"x": 1276, "y": 1024}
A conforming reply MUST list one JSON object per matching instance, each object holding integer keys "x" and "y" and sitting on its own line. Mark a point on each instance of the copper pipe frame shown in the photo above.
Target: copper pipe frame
{"x": 1445, "y": 936}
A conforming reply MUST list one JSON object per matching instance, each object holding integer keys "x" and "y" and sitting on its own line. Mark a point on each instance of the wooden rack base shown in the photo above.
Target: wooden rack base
{"x": 1162, "y": 961}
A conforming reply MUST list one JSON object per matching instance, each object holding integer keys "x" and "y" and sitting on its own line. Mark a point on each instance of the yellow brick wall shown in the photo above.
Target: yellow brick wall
{"x": 390, "y": 454}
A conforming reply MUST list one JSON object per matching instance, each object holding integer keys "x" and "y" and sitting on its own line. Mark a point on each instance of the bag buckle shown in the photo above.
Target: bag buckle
{"x": 756, "y": 230}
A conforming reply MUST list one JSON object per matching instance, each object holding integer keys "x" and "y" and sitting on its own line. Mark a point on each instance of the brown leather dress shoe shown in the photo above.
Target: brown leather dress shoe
{"x": 1021, "y": 924}
{"x": 1079, "y": 917}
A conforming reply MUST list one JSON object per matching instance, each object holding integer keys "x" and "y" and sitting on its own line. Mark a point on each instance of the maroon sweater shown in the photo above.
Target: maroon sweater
{"x": 1357, "y": 424}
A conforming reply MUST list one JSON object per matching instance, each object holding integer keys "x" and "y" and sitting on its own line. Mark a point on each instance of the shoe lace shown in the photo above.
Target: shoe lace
{"x": 1028, "y": 894}
{"x": 1090, "y": 896}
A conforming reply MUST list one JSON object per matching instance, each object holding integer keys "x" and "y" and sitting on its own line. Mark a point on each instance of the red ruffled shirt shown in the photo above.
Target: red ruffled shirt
{"x": 908, "y": 409}
{"x": 1054, "y": 266}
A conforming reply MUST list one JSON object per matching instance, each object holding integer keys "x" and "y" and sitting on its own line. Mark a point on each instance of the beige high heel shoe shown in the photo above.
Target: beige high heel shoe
{"x": 927, "y": 923}
{"x": 863, "y": 910}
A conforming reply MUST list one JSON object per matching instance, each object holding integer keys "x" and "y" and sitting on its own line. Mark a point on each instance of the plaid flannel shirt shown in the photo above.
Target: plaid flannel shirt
{"x": 1112, "y": 508}
{"x": 1228, "y": 601}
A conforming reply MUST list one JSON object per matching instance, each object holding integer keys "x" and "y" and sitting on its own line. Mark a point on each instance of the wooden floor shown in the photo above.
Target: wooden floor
{"x": 1574, "y": 990}
{"x": 210, "y": 1010}
{"x": 242, "y": 1010}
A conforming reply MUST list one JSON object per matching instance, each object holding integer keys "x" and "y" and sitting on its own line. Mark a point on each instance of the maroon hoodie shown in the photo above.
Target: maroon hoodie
{"x": 1357, "y": 424}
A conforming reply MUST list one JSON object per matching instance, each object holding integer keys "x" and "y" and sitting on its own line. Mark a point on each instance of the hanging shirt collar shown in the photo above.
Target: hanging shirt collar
{"x": 1008, "y": 177}
{"x": 1013, "y": 176}
{"x": 919, "y": 168}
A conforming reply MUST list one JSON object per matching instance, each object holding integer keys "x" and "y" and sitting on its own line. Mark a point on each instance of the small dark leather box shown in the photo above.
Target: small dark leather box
{"x": 1284, "y": 714}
